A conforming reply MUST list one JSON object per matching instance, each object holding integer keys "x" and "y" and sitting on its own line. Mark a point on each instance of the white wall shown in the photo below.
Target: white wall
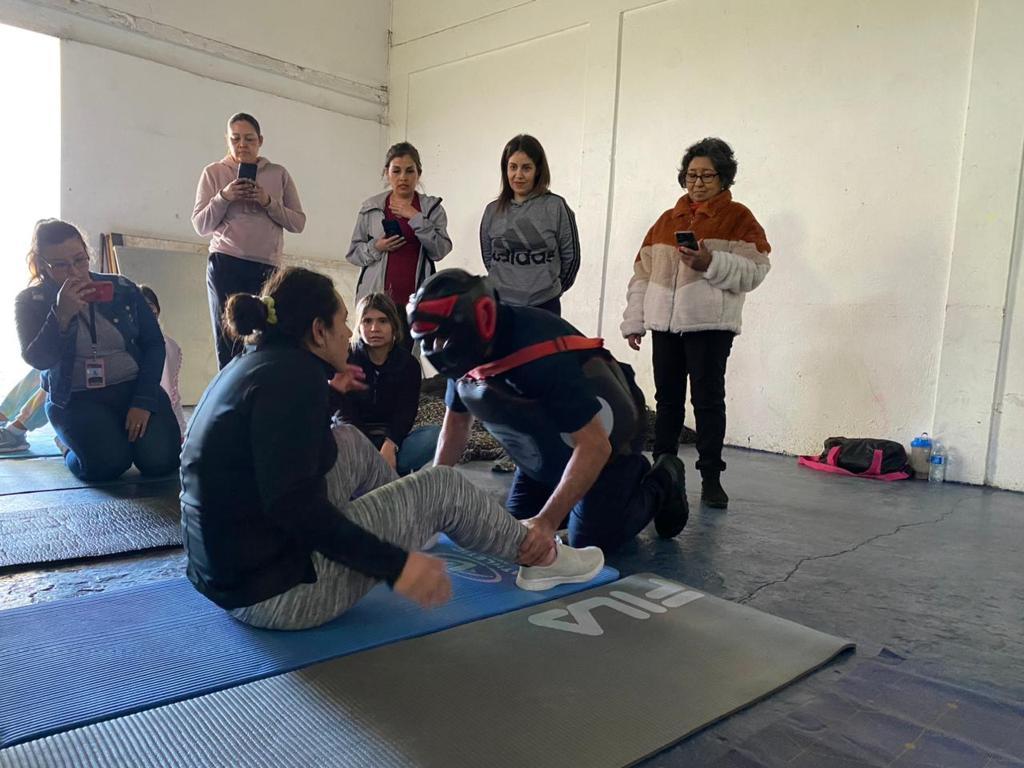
{"x": 343, "y": 37}
{"x": 138, "y": 134}
{"x": 146, "y": 88}
{"x": 460, "y": 156}
{"x": 980, "y": 400}
{"x": 848, "y": 120}
{"x": 324, "y": 53}
{"x": 36, "y": 168}
{"x": 1006, "y": 457}
{"x": 851, "y": 168}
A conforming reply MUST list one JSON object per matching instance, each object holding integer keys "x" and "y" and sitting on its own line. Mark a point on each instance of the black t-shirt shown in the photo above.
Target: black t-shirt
{"x": 556, "y": 381}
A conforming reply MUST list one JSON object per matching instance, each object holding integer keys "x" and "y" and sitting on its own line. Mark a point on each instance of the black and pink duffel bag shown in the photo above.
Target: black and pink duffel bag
{"x": 861, "y": 457}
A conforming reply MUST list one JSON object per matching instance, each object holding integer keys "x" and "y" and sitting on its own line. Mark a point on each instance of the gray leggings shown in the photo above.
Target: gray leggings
{"x": 405, "y": 512}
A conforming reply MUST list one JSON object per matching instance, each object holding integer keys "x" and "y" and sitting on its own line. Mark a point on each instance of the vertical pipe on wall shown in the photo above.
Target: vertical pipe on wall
{"x": 1005, "y": 339}
{"x": 611, "y": 179}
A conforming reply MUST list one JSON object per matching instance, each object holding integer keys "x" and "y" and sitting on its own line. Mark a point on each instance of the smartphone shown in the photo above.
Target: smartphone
{"x": 102, "y": 292}
{"x": 247, "y": 171}
{"x": 687, "y": 239}
{"x": 391, "y": 228}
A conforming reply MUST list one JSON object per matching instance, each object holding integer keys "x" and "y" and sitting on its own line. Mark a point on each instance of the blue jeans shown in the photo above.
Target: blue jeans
{"x": 91, "y": 425}
{"x": 616, "y": 508}
{"x": 417, "y": 449}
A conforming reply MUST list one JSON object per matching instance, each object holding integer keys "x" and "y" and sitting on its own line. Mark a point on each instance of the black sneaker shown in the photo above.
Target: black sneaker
{"x": 674, "y": 511}
{"x": 712, "y": 494}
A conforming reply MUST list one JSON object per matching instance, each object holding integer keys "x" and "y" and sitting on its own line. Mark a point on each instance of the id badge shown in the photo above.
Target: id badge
{"x": 95, "y": 374}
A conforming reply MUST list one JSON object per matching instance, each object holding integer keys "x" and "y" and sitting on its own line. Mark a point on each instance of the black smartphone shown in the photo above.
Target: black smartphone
{"x": 391, "y": 228}
{"x": 687, "y": 239}
{"x": 247, "y": 171}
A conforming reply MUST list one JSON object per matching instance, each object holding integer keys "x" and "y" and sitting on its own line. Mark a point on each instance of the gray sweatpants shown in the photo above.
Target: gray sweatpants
{"x": 405, "y": 512}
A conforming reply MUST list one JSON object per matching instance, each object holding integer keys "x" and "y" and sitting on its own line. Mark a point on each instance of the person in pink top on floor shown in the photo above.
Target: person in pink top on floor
{"x": 245, "y": 219}
{"x": 172, "y": 362}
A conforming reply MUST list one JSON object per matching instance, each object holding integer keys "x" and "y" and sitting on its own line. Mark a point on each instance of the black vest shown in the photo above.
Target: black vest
{"x": 526, "y": 432}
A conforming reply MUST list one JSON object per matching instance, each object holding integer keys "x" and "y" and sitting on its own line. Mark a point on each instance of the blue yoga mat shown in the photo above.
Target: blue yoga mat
{"x": 69, "y": 663}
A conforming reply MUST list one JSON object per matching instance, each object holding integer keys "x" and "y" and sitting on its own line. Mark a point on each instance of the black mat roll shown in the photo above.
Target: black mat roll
{"x": 59, "y": 531}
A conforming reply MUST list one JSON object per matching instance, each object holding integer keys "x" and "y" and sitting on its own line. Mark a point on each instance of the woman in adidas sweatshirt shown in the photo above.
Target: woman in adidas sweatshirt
{"x": 528, "y": 237}
{"x": 692, "y": 300}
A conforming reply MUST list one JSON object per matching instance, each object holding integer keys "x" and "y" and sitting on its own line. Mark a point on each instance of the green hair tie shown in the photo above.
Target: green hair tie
{"x": 268, "y": 302}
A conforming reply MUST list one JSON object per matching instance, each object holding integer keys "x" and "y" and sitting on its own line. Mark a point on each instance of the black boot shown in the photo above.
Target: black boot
{"x": 712, "y": 494}
{"x": 673, "y": 510}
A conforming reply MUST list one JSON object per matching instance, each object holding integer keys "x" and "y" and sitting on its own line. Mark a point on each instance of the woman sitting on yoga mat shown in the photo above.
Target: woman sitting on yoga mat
{"x": 271, "y": 531}
{"x": 101, "y": 354}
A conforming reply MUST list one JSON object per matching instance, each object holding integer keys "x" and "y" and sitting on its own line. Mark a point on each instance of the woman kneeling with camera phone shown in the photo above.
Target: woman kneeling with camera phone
{"x": 101, "y": 354}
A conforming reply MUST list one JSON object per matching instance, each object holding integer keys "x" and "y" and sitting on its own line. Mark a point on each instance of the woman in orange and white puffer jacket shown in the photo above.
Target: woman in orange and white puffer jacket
{"x": 691, "y": 299}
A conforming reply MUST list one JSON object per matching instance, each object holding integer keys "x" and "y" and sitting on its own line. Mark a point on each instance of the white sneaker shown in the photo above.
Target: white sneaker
{"x": 571, "y": 566}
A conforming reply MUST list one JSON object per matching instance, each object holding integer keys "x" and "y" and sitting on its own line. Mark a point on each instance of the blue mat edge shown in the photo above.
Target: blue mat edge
{"x": 607, "y": 575}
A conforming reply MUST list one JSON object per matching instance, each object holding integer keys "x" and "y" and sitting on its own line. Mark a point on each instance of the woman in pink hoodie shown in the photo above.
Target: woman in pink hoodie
{"x": 245, "y": 219}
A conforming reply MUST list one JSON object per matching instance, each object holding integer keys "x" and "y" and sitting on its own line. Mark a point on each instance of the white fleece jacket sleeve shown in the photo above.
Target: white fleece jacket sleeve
{"x": 737, "y": 272}
{"x": 636, "y": 291}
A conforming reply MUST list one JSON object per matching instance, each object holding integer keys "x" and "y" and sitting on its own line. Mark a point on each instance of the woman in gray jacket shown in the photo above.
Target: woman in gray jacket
{"x": 399, "y": 234}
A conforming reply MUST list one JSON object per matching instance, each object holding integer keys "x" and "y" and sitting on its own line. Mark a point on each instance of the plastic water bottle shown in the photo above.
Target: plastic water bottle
{"x": 937, "y": 465}
{"x": 920, "y": 456}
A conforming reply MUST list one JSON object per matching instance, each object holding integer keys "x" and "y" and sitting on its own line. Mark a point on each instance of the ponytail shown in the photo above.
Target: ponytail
{"x": 244, "y": 315}
{"x": 290, "y": 300}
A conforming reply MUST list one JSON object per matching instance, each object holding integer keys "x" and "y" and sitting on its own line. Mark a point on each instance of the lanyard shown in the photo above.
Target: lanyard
{"x": 92, "y": 328}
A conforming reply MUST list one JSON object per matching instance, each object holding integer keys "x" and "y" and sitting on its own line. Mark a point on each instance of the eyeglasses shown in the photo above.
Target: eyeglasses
{"x": 704, "y": 178}
{"x": 59, "y": 266}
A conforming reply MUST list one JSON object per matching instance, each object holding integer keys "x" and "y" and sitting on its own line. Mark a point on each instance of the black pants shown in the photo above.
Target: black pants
{"x": 227, "y": 275}
{"x": 701, "y": 355}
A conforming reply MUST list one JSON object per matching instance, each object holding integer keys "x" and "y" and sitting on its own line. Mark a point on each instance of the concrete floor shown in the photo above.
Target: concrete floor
{"x": 930, "y": 573}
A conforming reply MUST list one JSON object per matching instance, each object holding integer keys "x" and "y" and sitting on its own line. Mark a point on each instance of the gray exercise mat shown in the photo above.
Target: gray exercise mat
{"x": 51, "y": 474}
{"x": 56, "y": 531}
{"x": 606, "y": 677}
